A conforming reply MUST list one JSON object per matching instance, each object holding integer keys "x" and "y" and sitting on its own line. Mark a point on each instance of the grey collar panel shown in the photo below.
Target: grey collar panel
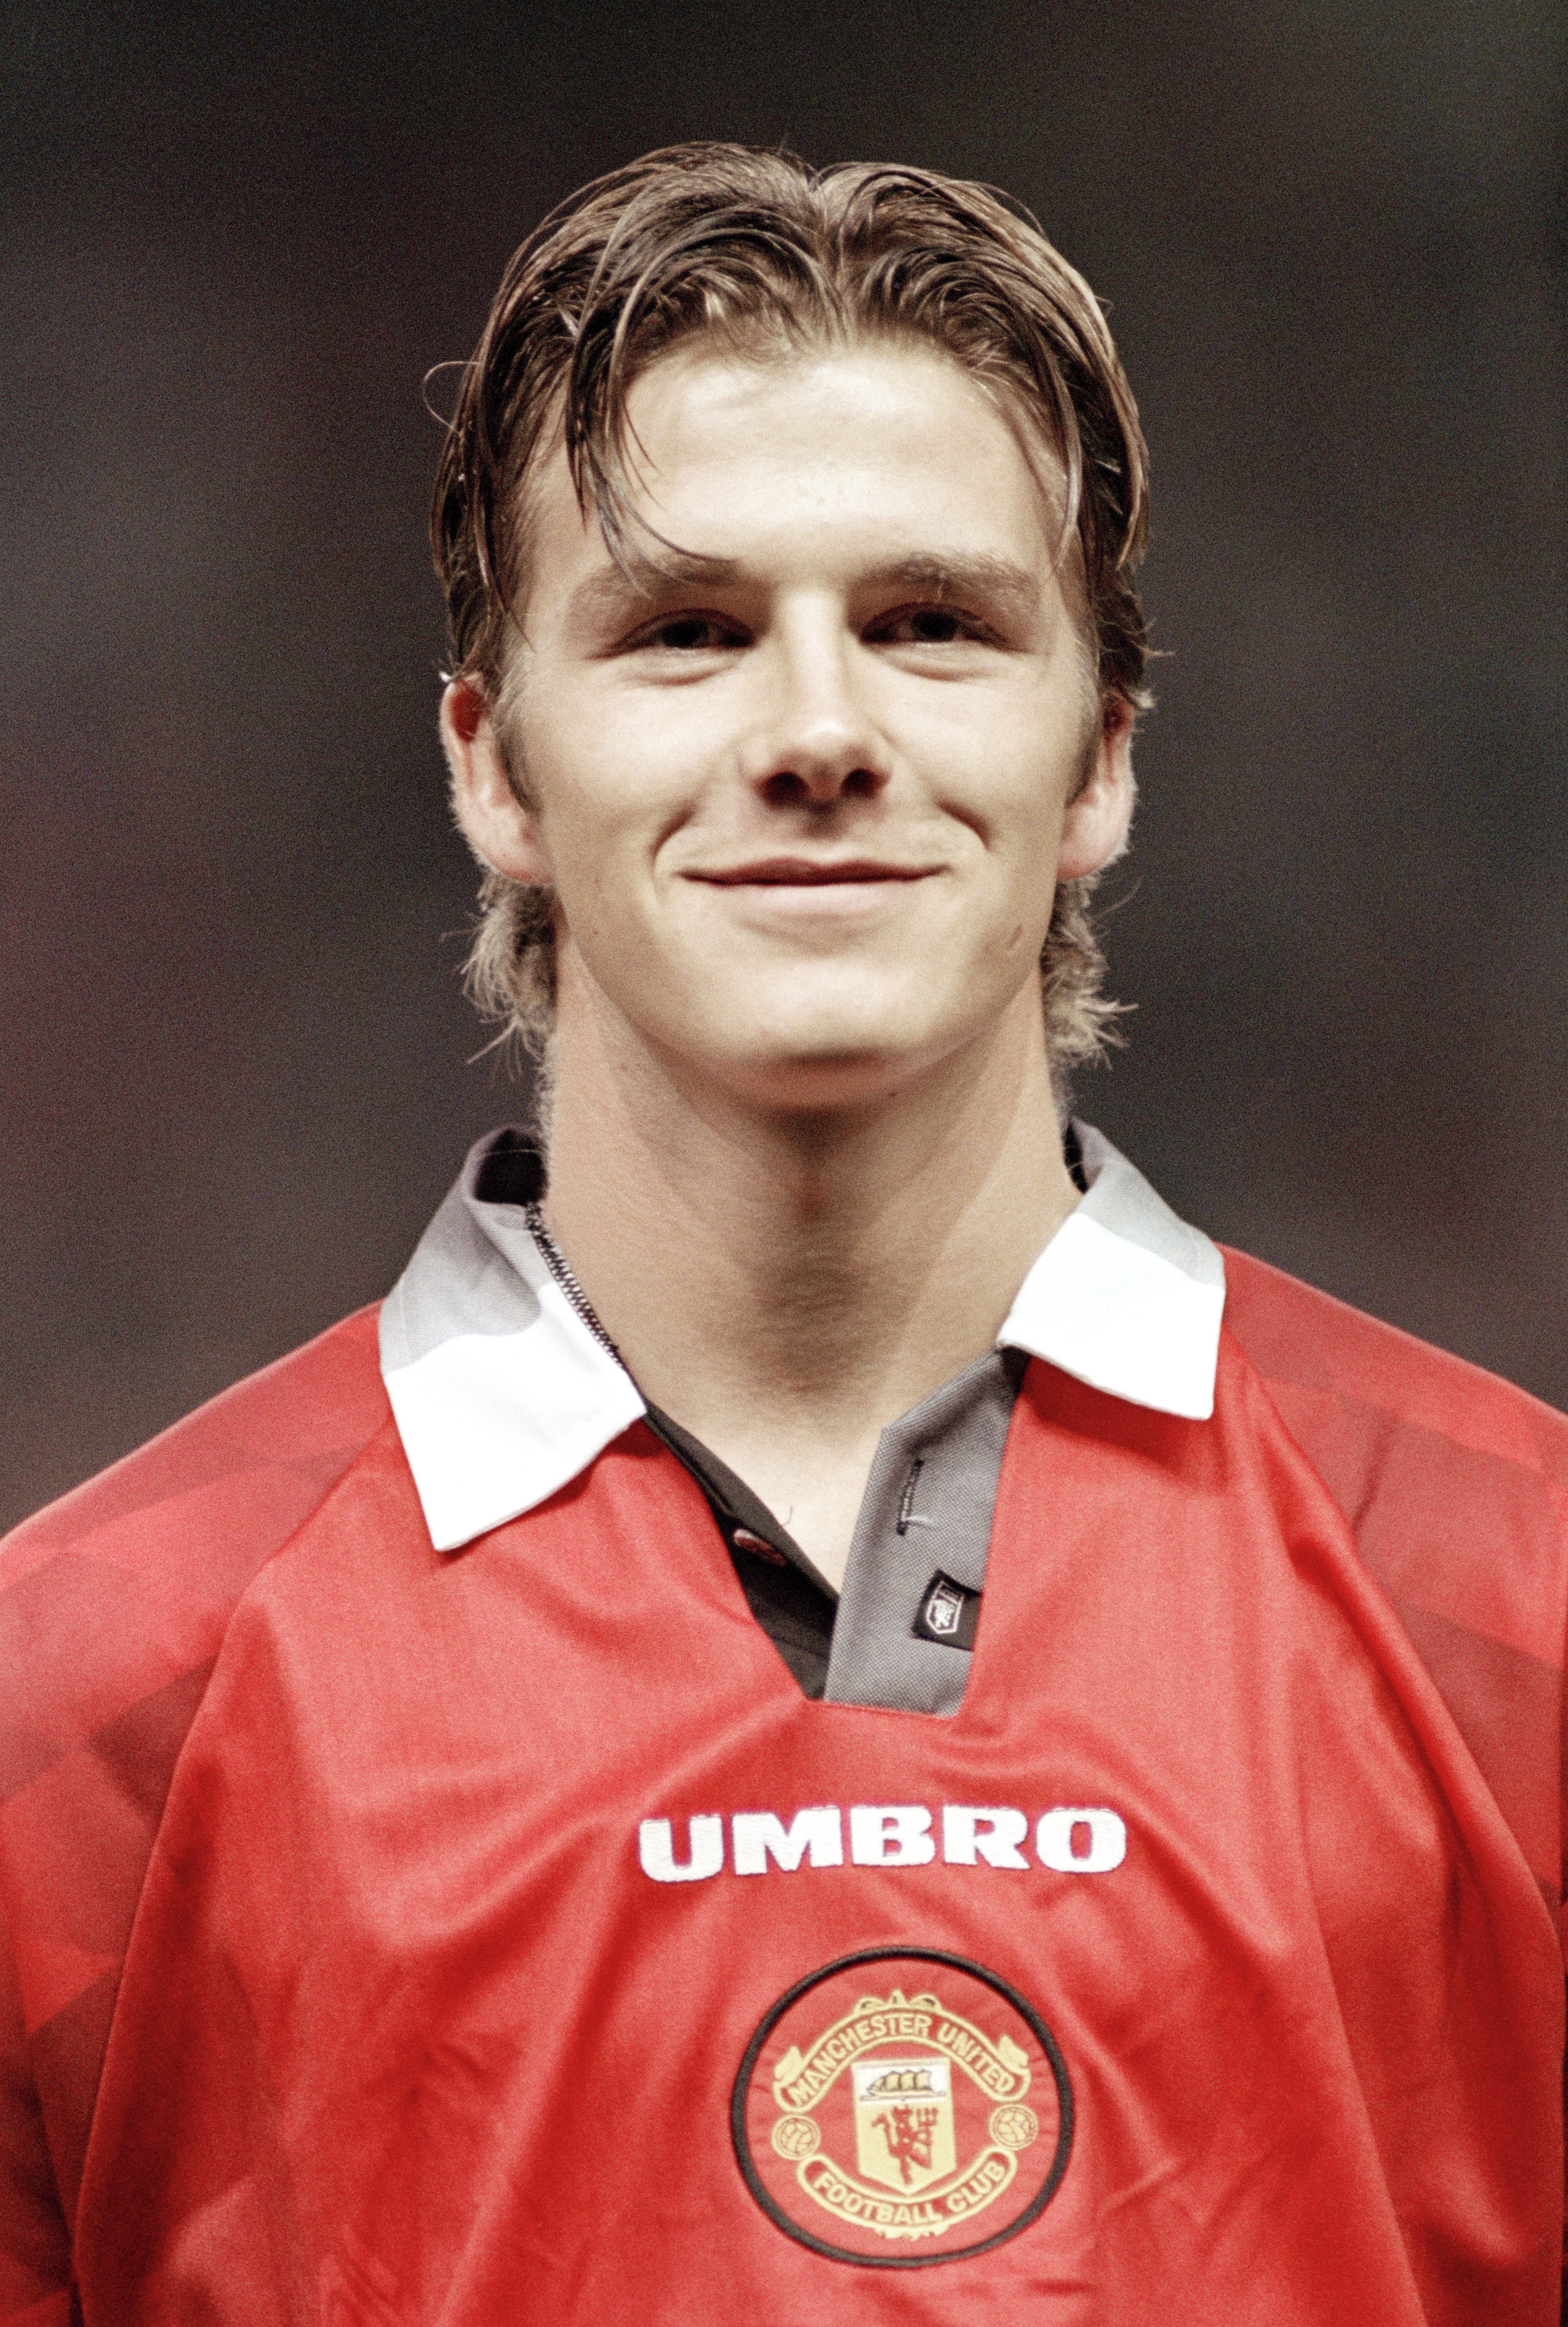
{"x": 503, "y": 1395}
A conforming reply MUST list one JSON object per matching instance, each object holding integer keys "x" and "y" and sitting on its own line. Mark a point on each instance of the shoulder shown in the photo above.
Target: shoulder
{"x": 232, "y": 1479}
{"x": 1454, "y": 1487}
{"x": 114, "y": 1600}
{"x": 1326, "y": 1357}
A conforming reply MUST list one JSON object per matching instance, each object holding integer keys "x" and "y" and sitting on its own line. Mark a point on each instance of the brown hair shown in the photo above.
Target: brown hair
{"x": 758, "y": 248}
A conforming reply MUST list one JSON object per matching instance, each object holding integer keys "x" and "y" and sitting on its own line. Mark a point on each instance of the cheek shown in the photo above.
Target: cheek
{"x": 1009, "y": 764}
{"x": 607, "y": 814}
{"x": 600, "y": 832}
{"x": 1022, "y": 808}
{"x": 568, "y": 789}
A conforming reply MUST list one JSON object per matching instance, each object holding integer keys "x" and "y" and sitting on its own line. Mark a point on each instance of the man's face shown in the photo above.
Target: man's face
{"x": 804, "y": 806}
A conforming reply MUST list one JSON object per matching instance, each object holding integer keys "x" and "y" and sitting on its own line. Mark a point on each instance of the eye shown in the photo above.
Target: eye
{"x": 934, "y": 626}
{"x": 690, "y": 634}
{"x": 926, "y": 626}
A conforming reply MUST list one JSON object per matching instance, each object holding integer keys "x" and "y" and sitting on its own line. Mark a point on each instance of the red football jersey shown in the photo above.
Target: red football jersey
{"x": 505, "y": 1936}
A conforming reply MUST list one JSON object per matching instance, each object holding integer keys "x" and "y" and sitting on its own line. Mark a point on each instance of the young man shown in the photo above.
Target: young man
{"x": 830, "y": 1715}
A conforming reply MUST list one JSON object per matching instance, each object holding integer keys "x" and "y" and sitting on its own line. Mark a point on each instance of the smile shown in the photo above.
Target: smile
{"x": 808, "y": 872}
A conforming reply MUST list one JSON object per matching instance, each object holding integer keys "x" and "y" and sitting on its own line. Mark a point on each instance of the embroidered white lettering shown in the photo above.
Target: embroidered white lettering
{"x": 1081, "y": 1842}
{"x": 656, "y": 1849}
{"x": 1067, "y": 1840}
{"x": 758, "y": 1834}
{"x": 897, "y": 1836}
{"x": 962, "y": 1837}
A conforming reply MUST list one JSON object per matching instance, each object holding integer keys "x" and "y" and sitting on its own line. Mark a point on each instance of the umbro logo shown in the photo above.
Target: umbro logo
{"x": 1065, "y": 1840}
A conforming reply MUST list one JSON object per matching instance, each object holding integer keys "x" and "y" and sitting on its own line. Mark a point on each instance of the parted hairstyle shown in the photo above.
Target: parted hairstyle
{"x": 766, "y": 255}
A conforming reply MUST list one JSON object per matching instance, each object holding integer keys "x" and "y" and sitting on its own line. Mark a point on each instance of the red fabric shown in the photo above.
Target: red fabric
{"x": 114, "y": 1603}
{"x": 1455, "y": 1486}
{"x": 405, "y": 2034}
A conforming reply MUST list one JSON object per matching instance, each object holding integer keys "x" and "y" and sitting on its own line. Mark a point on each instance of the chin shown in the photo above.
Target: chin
{"x": 829, "y": 1076}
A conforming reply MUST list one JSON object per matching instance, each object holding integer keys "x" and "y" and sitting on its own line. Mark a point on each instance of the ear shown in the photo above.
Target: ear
{"x": 499, "y": 829}
{"x": 1095, "y": 828}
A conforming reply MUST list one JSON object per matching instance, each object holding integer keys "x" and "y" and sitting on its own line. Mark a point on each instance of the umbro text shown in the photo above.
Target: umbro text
{"x": 1067, "y": 1840}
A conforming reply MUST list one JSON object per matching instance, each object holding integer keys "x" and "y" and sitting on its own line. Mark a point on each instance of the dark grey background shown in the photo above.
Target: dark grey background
{"x": 237, "y": 1066}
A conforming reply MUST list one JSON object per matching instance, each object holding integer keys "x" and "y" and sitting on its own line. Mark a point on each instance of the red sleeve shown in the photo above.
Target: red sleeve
{"x": 1455, "y": 1487}
{"x": 113, "y": 1607}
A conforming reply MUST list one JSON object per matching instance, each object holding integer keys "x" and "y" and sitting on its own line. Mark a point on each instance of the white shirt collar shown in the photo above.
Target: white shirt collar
{"x": 503, "y": 1396}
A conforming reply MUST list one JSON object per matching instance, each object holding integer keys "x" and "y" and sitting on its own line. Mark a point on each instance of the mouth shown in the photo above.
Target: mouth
{"x": 812, "y": 872}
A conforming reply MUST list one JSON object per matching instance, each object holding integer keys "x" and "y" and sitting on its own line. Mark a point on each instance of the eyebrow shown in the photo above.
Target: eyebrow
{"x": 962, "y": 575}
{"x": 636, "y": 576}
{"x": 640, "y": 577}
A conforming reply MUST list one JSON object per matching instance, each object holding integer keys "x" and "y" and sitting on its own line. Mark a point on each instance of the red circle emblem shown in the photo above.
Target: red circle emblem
{"x": 902, "y": 2107}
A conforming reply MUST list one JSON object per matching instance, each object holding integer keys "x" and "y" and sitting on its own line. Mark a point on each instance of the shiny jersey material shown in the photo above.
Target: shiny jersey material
{"x": 410, "y": 2028}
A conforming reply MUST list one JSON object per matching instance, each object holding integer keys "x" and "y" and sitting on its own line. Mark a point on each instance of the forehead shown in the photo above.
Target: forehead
{"x": 879, "y": 448}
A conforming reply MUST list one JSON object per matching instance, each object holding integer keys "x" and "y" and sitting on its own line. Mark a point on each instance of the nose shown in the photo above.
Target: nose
{"x": 816, "y": 743}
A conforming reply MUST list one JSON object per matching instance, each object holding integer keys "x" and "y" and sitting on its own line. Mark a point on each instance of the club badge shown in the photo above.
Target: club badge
{"x": 900, "y": 2108}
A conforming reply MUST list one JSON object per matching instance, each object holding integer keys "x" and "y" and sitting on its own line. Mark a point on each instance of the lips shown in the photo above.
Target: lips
{"x": 811, "y": 873}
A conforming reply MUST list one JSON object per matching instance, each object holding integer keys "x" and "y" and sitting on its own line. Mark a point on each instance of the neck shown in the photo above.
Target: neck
{"x": 785, "y": 1282}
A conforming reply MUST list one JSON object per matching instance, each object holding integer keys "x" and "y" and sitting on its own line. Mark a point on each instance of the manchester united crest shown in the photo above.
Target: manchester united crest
{"x": 898, "y": 2108}
{"x": 903, "y": 2119}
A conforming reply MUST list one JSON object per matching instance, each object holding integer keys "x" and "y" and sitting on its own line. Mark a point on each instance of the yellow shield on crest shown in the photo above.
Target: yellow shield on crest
{"x": 903, "y": 2121}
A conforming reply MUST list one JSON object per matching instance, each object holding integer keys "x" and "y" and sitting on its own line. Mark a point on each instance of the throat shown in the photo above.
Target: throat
{"x": 810, "y": 1485}
{"x": 816, "y": 1495}
{"x": 868, "y": 1595}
